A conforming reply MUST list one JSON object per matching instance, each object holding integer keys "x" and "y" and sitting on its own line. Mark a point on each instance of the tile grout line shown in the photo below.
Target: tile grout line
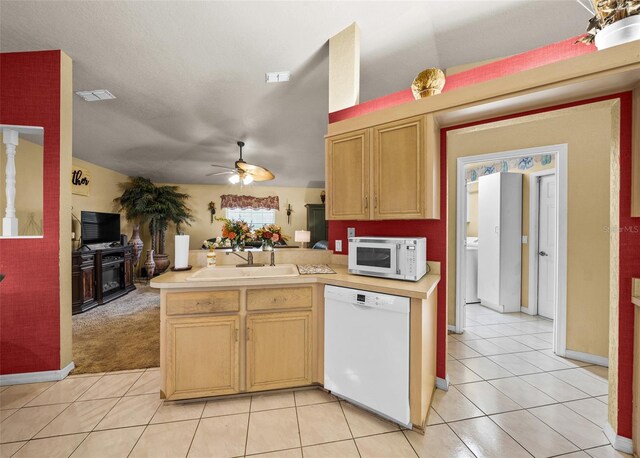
{"x": 297, "y": 422}
{"x": 146, "y": 426}
{"x": 410, "y": 444}
{"x": 349, "y": 426}
{"x": 562, "y": 435}
{"x": 246, "y": 439}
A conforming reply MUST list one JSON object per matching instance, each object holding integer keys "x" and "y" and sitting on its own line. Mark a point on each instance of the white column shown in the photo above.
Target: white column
{"x": 10, "y": 222}
{"x": 344, "y": 69}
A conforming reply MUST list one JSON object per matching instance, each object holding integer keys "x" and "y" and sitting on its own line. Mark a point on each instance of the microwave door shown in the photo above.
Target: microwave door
{"x": 378, "y": 258}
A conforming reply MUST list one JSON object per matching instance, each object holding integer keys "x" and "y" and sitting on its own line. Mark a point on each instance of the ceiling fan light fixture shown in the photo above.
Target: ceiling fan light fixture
{"x": 247, "y": 179}
{"x": 234, "y": 179}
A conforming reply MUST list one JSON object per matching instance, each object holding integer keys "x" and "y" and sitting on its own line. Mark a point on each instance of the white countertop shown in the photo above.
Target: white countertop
{"x": 421, "y": 289}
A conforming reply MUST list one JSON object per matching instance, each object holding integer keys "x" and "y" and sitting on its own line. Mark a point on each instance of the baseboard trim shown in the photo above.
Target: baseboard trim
{"x": 442, "y": 383}
{"x": 587, "y": 358}
{"x": 620, "y": 443}
{"x": 451, "y": 327}
{"x": 33, "y": 377}
{"x": 526, "y": 310}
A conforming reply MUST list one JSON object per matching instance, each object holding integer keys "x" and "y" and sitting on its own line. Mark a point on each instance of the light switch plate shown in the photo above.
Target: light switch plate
{"x": 525, "y": 239}
{"x": 351, "y": 232}
{"x": 338, "y": 245}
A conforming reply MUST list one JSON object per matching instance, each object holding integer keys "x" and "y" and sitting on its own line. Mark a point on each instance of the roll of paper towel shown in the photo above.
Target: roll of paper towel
{"x": 182, "y": 251}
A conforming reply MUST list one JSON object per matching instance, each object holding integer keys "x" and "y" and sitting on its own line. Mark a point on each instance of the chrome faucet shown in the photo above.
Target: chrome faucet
{"x": 273, "y": 258}
{"x": 249, "y": 259}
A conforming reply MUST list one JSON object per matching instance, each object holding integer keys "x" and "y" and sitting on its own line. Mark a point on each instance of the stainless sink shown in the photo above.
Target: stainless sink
{"x": 233, "y": 272}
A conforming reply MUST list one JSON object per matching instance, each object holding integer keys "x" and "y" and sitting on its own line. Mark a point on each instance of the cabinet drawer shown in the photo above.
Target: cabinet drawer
{"x": 203, "y": 302}
{"x": 279, "y": 298}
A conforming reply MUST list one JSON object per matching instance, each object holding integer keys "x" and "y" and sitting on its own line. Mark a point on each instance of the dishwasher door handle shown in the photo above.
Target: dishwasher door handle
{"x": 357, "y": 306}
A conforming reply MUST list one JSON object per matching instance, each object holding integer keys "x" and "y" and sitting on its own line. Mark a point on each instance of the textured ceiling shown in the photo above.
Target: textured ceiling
{"x": 189, "y": 76}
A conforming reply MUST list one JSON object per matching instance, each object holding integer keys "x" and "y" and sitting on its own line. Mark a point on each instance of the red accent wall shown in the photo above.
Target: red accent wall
{"x": 629, "y": 268}
{"x": 545, "y": 55}
{"x": 436, "y": 233}
{"x": 30, "y": 292}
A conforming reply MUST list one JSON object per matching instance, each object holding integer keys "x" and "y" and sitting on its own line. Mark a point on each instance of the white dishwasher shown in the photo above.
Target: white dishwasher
{"x": 366, "y": 350}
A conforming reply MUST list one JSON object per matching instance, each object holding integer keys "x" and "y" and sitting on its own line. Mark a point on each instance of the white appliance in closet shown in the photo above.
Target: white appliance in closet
{"x": 499, "y": 241}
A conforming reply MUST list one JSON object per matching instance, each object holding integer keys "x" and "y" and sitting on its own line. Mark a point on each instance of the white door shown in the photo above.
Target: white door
{"x": 489, "y": 239}
{"x": 547, "y": 246}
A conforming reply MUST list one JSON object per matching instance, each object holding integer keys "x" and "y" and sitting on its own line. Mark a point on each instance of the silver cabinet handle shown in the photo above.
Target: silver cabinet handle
{"x": 375, "y": 201}
{"x": 366, "y": 202}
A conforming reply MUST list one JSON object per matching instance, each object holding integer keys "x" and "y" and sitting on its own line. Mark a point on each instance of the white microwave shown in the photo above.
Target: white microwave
{"x": 389, "y": 257}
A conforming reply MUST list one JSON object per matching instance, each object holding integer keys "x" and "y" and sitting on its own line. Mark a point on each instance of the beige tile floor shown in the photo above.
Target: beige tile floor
{"x": 510, "y": 396}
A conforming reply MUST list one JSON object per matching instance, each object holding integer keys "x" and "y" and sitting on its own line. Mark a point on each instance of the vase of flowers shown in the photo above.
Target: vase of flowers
{"x": 237, "y": 231}
{"x": 269, "y": 234}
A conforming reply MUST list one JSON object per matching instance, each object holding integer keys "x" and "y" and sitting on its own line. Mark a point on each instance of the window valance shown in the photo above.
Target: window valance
{"x": 245, "y": 202}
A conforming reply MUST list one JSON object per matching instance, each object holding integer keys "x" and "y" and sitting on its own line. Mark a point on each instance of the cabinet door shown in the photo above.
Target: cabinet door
{"x": 399, "y": 170}
{"x": 278, "y": 350}
{"x": 128, "y": 271}
{"x": 88, "y": 282}
{"x": 347, "y": 175}
{"x": 202, "y": 356}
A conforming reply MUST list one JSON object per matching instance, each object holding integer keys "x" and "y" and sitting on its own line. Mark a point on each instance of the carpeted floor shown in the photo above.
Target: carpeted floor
{"x": 124, "y": 334}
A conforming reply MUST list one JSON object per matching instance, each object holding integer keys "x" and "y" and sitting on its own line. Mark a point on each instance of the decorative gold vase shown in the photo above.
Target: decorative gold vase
{"x": 428, "y": 82}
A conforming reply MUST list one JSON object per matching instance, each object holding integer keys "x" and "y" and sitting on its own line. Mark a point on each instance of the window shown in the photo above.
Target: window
{"x": 255, "y": 217}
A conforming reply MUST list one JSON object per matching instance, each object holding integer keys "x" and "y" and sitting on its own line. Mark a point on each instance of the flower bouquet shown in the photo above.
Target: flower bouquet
{"x": 269, "y": 234}
{"x": 213, "y": 244}
{"x": 237, "y": 231}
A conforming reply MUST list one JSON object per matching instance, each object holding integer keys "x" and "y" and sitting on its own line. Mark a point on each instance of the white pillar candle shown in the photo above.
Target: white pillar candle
{"x": 182, "y": 251}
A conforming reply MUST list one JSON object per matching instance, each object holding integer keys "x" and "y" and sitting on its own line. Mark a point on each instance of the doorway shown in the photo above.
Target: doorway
{"x": 544, "y": 254}
{"x": 543, "y": 263}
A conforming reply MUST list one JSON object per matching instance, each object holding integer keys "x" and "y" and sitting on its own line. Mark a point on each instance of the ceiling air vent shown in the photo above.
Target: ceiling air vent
{"x": 96, "y": 95}
{"x": 277, "y": 77}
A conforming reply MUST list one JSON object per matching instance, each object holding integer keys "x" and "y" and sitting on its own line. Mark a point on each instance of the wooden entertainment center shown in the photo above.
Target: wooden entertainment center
{"x": 100, "y": 276}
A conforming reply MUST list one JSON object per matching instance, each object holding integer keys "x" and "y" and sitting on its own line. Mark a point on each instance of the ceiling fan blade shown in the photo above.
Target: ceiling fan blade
{"x": 258, "y": 173}
{"x": 222, "y": 166}
{"x": 219, "y": 173}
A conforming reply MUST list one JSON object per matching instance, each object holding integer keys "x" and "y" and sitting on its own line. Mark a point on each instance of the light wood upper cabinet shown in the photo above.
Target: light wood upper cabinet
{"x": 347, "y": 177}
{"x": 390, "y": 171}
{"x": 398, "y": 157}
{"x": 202, "y": 356}
{"x": 279, "y": 353}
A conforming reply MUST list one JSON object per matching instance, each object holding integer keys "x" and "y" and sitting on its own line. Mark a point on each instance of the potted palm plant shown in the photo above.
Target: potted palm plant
{"x": 615, "y": 22}
{"x": 158, "y": 206}
{"x": 168, "y": 207}
{"x": 137, "y": 195}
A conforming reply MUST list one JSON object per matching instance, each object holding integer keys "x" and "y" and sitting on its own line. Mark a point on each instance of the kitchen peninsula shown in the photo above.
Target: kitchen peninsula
{"x": 229, "y": 336}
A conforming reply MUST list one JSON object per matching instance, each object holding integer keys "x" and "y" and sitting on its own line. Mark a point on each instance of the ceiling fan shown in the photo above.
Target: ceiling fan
{"x": 243, "y": 171}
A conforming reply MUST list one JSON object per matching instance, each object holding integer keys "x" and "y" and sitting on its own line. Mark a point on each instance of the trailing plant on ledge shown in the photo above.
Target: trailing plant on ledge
{"x": 607, "y": 13}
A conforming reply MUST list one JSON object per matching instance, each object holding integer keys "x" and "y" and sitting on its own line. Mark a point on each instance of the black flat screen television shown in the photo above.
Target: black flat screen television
{"x": 100, "y": 227}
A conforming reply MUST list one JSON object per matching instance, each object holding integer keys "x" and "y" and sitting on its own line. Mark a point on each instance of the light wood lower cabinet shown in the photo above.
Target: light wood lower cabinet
{"x": 219, "y": 342}
{"x": 278, "y": 350}
{"x": 202, "y": 356}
